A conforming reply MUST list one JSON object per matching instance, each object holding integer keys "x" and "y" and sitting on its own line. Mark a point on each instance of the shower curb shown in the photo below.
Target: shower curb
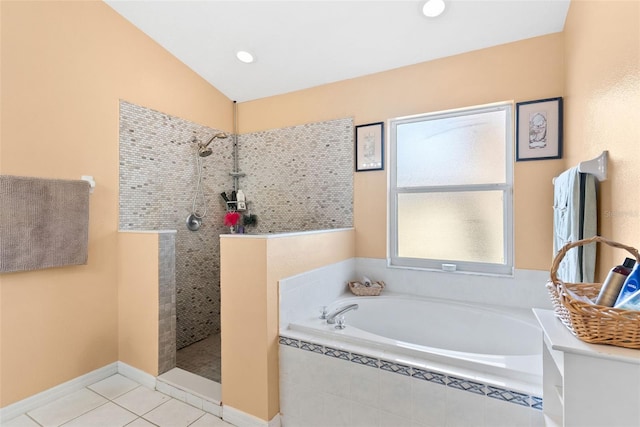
{"x": 191, "y": 389}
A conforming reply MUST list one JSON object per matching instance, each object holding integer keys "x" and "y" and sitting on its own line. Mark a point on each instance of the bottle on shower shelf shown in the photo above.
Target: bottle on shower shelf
{"x": 242, "y": 205}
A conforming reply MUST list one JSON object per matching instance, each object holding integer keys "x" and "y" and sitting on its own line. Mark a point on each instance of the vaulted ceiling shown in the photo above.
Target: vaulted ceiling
{"x": 299, "y": 44}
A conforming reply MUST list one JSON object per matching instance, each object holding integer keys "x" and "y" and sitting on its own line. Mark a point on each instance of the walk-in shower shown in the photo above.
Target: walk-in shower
{"x": 159, "y": 173}
{"x": 158, "y": 177}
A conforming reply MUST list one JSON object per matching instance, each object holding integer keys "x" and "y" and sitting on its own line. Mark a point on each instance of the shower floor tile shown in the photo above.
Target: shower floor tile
{"x": 202, "y": 358}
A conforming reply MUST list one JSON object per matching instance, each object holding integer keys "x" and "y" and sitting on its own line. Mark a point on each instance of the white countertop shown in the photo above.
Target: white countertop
{"x": 561, "y": 339}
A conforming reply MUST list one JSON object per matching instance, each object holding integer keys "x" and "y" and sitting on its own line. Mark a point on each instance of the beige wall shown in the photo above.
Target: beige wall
{"x": 65, "y": 65}
{"x": 138, "y": 300}
{"x": 593, "y": 65}
{"x": 602, "y": 110}
{"x": 249, "y": 274}
{"x": 501, "y": 73}
{"x": 243, "y": 314}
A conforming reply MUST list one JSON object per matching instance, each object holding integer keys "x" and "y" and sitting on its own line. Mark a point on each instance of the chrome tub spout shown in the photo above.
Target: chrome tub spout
{"x": 331, "y": 317}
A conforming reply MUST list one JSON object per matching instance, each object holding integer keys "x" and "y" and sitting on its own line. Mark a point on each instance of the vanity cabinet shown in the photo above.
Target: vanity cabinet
{"x": 587, "y": 384}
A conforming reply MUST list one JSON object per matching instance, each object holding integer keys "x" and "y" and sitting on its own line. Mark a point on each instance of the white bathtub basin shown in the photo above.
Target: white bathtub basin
{"x": 501, "y": 344}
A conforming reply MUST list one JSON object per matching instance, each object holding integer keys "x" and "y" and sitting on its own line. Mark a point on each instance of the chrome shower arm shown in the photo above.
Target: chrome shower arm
{"x": 220, "y": 135}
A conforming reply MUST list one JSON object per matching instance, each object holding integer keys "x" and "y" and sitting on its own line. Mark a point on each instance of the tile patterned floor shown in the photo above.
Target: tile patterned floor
{"x": 116, "y": 401}
{"x": 201, "y": 358}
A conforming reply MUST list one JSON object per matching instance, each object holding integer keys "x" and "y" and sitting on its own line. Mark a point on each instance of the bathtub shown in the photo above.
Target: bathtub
{"x": 488, "y": 351}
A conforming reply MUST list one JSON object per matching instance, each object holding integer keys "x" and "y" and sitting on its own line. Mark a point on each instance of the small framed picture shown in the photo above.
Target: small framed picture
{"x": 370, "y": 147}
{"x": 539, "y": 129}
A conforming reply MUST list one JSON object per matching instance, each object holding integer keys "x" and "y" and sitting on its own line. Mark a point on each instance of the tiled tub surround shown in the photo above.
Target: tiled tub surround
{"x": 297, "y": 179}
{"x": 325, "y": 384}
{"x": 408, "y": 384}
{"x": 304, "y": 294}
{"x": 525, "y": 289}
{"x": 326, "y": 381}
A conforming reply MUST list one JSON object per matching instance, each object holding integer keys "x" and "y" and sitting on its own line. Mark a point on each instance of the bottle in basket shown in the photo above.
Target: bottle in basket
{"x": 631, "y": 285}
{"x": 613, "y": 283}
{"x": 632, "y": 302}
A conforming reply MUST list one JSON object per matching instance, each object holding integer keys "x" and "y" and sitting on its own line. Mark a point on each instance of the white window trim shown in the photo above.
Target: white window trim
{"x": 505, "y": 269}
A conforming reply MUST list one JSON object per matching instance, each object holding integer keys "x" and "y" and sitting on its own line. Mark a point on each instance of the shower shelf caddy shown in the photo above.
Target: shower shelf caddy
{"x": 232, "y": 205}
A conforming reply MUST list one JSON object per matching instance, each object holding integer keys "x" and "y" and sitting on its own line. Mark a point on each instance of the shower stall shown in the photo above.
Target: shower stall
{"x": 170, "y": 170}
{"x": 172, "y": 174}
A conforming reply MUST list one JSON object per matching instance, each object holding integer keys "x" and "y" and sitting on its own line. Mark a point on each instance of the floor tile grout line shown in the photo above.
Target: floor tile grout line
{"x": 196, "y": 420}
{"x": 150, "y": 410}
{"x": 169, "y": 398}
{"x": 99, "y": 406}
{"x": 111, "y": 400}
{"x": 31, "y": 418}
{"x": 86, "y": 412}
{"x": 118, "y": 396}
{"x": 107, "y": 400}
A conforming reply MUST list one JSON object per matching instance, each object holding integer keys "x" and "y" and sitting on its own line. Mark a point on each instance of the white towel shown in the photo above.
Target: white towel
{"x": 575, "y": 217}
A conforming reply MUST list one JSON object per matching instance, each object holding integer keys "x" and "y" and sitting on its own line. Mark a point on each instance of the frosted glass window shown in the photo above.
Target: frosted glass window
{"x": 463, "y": 226}
{"x": 429, "y": 151}
{"x": 450, "y": 190}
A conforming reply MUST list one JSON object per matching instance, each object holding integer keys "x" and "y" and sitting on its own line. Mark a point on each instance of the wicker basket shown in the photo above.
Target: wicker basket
{"x": 366, "y": 291}
{"x": 593, "y": 323}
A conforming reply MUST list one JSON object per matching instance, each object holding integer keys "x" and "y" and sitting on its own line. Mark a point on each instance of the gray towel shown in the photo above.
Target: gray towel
{"x": 43, "y": 223}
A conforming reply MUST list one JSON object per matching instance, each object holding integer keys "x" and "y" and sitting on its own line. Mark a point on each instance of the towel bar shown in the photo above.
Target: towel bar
{"x": 90, "y": 180}
{"x": 596, "y": 167}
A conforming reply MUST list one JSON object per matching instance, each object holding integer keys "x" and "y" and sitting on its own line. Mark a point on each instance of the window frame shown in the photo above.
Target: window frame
{"x": 480, "y": 268}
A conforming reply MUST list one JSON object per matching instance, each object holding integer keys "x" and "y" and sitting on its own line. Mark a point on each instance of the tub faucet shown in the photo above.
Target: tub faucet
{"x": 331, "y": 317}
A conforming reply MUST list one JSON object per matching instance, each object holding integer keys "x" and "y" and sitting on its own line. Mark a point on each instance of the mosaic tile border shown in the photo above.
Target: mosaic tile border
{"x": 510, "y": 396}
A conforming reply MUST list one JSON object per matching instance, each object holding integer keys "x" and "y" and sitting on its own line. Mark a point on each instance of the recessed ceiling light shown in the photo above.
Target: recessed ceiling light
{"x": 245, "y": 56}
{"x": 433, "y": 8}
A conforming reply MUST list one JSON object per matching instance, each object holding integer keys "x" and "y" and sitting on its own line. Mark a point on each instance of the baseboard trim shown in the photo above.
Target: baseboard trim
{"x": 137, "y": 375}
{"x": 25, "y": 405}
{"x": 242, "y": 419}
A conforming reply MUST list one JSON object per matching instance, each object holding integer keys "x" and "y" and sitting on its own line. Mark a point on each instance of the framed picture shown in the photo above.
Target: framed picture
{"x": 539, "y": 129}
{"x": 369, "y": 147}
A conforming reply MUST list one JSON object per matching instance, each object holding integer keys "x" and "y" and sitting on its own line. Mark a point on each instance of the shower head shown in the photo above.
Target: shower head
{"x": 204, "y": 150}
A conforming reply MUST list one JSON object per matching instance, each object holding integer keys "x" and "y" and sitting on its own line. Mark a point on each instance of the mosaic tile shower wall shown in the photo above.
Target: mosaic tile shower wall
{"x": 158, "y": 176}
{"x": 167, "y": 297}
{"x": 299, "y": 178}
